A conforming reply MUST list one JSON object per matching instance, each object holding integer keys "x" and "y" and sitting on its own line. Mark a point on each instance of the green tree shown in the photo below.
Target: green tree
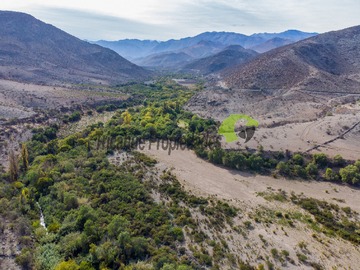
{"x": 25, "y": 259}
{"x": 25, "y": 195}
{"x": 299, "y": 171}
{"x": 357, "y": 164}
{"x": 116, "y": 226}
{"x": 339, "y": 160}
{"x": 330, "y": 175}
{"x": 43, "y": 183}
{"x": 320, "y": 159}
{"x": 71, "y": 244}
{"x": 216, "y": 156}
{"x": 13, "y": 166}
{"x": 69, "y": 265}
{"x": 75, "y": 116}
{"x": 298, "y": 159}
{"x": 127, "y": 117}
{"x": 96, "y": 134}
{"x": 24, "y": 157}
{"x": 239, "y": 160}
{"x": 350, "y": 174}
{"x": 312, "y": 169}
{"x": 229, "y": 160}
{"x": 255, "y": 162}
{"x": 85, "y": 266}
{"x": 50, "y": 133}
{"x": 107, "y": 253}
{"x": 283, "y": 168}
{"x": 70, "y": 201}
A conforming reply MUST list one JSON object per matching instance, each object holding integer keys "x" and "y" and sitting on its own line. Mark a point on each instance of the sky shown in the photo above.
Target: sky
{"x": 174, "y": 19}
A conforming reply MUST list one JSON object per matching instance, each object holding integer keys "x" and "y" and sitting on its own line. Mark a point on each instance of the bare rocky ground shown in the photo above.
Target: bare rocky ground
{"x": 25, "y": 106}
{"x": 255, "y": 241}
{"x": 85, "y": 121}
{"x": 10, "y": 138}
{"x": 293, "y": 120}
{"x": 23, "y": 100}
{"x": 9, "y": 247}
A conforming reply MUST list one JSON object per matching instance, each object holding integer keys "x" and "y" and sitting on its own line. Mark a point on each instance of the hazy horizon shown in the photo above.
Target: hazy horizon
{"x": 174, "y": 19}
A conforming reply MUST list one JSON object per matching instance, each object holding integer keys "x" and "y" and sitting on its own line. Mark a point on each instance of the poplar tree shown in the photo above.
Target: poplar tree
{"x": 25, "y": 157}
{"x": 13, "y": 166}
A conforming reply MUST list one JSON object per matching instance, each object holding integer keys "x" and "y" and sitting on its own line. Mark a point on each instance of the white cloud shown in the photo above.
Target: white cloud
{"x": 164, "y": 19}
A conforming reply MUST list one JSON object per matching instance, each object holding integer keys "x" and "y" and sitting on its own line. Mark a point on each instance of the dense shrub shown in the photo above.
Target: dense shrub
{"x": 320, "y": 159}
{"x": 350, "y": 174}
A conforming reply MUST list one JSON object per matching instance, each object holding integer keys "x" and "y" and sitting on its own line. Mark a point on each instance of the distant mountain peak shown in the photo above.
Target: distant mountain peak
{"x": 134, "y": 49}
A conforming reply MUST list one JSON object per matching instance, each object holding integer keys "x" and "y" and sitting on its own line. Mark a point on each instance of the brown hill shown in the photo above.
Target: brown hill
{"x": 271, "y": 44}
{"x": 328, "y": 62}
{"x": 231, "y": 56}
{"x": 33, "y": 51}
{"x": 164, "y": 60}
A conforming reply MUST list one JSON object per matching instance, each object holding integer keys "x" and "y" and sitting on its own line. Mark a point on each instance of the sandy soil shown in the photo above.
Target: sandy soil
{"x": 293, "y": 120}
{"x": 301, "y": 137}
{"x": 187, "y": 83}
{"x": 208, "y": 179}
{"x": 240, "y": 189}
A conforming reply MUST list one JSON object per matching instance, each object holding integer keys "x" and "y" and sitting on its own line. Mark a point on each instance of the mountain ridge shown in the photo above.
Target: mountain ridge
{"x": 230, "y": 56}
{"x": 31, "y": 50}
{"x": 327, "y": 61}
{"x": 143, "y": 48}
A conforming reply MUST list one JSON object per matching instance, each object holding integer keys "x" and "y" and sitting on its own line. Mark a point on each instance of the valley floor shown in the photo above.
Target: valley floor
{"x": 243, "y": 190}
{"x": 295, "y": 120}
{"x": 319, "y": 136}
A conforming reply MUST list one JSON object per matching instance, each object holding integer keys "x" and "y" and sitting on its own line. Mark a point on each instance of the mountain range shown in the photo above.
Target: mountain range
{"x": 31, "y": 50}
{"x": 151, "y": 53}
{"x": 294, "y": 83}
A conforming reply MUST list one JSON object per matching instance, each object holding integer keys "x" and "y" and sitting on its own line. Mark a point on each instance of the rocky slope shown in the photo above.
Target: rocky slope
{"x": 328, "y": 62}
{"x": 271, "y": 44}
{"x": 164, "y": 60}
{"x": 33, "y": 51}
{"x": 231, "y": 56}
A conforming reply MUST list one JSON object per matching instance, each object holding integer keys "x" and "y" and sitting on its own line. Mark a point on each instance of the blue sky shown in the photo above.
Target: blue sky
{"x": 167, "y": 19}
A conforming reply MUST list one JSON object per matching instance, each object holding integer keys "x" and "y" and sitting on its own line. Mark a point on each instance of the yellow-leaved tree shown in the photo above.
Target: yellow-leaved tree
{"x": 24, "y": 157}
{"x": 127, "y": 118}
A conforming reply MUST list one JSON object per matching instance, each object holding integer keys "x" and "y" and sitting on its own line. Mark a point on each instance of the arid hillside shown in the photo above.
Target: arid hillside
{"x": 293, "y": 91}
{"x": 327, "y": 62}
{"x": 271, "y": 229}
{"x": 33, "y": 51}
{"x": 230, "y": 56}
